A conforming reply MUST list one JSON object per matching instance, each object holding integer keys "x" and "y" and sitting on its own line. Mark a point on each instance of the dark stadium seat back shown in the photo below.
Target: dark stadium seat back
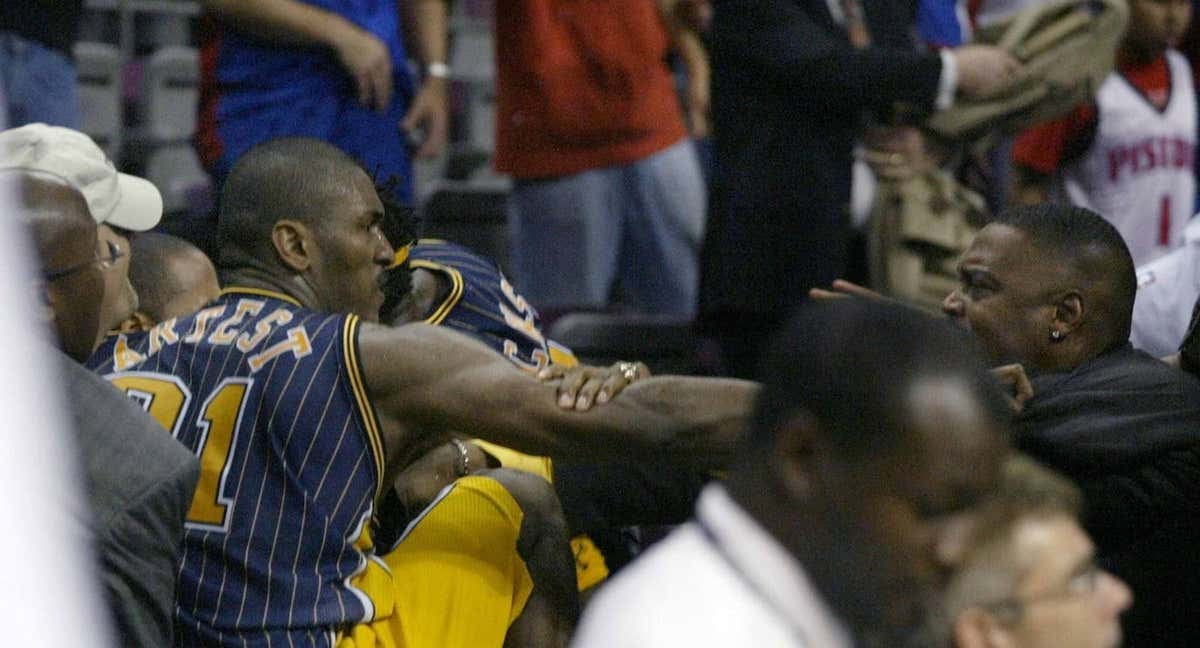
{"x": 471, "y": 216}
{"x": 666, "y": 344}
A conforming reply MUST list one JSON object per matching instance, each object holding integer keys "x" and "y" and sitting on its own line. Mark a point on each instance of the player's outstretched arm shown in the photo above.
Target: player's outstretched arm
{"x": 425, "y": 380}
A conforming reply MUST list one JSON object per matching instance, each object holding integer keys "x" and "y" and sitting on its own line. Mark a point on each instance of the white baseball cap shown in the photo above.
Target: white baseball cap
{"x": 114, "y": 198}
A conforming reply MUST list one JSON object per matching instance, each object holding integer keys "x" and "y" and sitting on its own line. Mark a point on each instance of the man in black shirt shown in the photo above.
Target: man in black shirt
{"x": 1052, "y": 287}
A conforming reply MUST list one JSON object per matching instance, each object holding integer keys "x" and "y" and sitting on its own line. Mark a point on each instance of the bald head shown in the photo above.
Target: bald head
{"x": 172, "y": 277}
{"x": 292, "y": 178}
{"x": 64, "y": 236}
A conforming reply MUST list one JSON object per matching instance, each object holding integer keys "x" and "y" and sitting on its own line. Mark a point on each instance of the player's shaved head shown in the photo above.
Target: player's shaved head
{"x": 173, "y": 278}
{"x": 292, "y": 178}
{"x": 1094, "y": 252}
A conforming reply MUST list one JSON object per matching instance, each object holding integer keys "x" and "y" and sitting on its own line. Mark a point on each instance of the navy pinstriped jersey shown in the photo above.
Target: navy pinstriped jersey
{"x": 483, "y": 304}
{"x": 270, "y": 396}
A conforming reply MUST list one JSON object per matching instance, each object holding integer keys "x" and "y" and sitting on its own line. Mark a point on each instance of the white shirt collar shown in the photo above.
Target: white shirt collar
{"x": 769, "y": 568}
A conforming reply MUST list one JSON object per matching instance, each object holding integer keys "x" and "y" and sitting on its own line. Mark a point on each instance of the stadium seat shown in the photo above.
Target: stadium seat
{"x": 176, "y": 171}
{"x": 98, "y": 79}
{"x": 170, "y": 82}
{"x": 666, "y": 344}
{"x": 160, "y": 30}
{"x": 474, "y": 216}
{"x": 97, "y": 26}
{"x": 472, "y": 54}
{"x": 472, "y": 57}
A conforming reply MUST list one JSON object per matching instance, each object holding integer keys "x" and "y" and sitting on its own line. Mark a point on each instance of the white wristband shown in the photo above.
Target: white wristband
{"x": 948, "y": 81}
{"x": 437, "y": 70}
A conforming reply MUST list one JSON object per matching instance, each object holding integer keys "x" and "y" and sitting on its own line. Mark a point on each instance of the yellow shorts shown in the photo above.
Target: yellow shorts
{"x": 590, "y": 567}
{"x": 458, "y": 581}
{"x": 541, "y": 466}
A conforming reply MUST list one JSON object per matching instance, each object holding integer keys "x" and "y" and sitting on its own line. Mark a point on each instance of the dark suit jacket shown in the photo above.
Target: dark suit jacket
{"x": 788, "y": 95}
{"x": 140, "y": 482}
{"x": 1126, "y": 428}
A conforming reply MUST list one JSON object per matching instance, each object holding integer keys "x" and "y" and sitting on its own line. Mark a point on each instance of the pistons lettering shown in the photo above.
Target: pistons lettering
{"x": 1149, "y": 154}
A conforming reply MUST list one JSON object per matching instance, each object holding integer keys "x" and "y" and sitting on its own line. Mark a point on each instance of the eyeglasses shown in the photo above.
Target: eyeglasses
{"x": 104, "y": 262}
{"x": 1083, "y": 583}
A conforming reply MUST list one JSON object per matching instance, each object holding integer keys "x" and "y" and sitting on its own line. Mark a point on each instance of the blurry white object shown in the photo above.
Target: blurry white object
{"x": 862, "y": 191}
{"x": 50, "y": 586}
{"x": 1167, "y": 289}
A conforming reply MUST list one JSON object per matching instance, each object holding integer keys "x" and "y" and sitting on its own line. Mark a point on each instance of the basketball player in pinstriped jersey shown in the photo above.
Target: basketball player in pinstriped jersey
{"x": 302, "y": 411}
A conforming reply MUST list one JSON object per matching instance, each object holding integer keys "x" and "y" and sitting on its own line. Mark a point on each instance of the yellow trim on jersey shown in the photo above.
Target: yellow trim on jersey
{"x": 456, "y": 290}
{"x": 365, "y": 408}
{"x": 561, "y": 355}
{"x": 590, "y": 566}
{"x": 401, "y": 256}
{"x": 533, "y": 464}
{"x": 238, "y": 290}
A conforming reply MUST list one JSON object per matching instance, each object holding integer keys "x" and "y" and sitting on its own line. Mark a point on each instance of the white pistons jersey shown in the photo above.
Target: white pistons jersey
{"x": 1138, "y": 171}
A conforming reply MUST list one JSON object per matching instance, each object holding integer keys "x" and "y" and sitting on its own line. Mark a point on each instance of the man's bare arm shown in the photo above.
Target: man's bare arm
{"x": 429, "y": 114}
{"x": 288, "y": 22}
{"x": 432, "y": 379}
{"x": 690, "y": 48}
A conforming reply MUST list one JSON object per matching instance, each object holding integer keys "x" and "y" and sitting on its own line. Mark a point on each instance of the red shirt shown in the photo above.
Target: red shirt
{"x": 581, "y": 85}
{"x": 1046, "y": 147}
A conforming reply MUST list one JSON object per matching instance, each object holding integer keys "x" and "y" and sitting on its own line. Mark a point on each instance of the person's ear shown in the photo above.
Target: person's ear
{"x": 1069, "y": 312}
{"x": 975, "y": 628}
{"x": 293, "y": 245}
{"x": 792, "y": 458}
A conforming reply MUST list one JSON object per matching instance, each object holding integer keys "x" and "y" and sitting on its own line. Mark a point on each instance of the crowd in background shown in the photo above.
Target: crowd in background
{"x": 939, "y": 256}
